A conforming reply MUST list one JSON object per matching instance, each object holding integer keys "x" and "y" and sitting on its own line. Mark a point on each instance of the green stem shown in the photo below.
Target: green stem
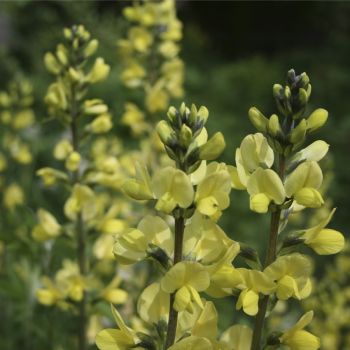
{"x": 270, "y": 258}
{"x": 172, "y": 322}
{"x": 80, "y": 233}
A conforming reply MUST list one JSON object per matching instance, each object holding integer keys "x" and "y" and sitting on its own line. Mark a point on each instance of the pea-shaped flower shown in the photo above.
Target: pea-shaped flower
{"x": 172, "y": 187}
{"x": 253, "y": 153}
{"x": 264, "y": 187}
{"x": 291, "y": 274}
{"x": 47, "y": 228}
{"x": 123, "y": 338}
{"x": 303, "y": 183}
{"x": 299, "y": 339}
{"x": 322, "y": 240}
{"x": 186, "y": 278}
{"x": 131, "y": 245}
{"x": 254, "y": 282}
{"x": 212, "y": 195}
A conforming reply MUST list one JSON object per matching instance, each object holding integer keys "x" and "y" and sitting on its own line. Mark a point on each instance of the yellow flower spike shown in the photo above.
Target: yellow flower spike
{"x": 101, "y": 124}
{"x": 13, "y": 195}
{"x": 213, "y": 148}
{"x": 322, "y": 240}
{"x": 254, "y": 282}
{"x": 296, "y": 338}
{"x": 264, "y": 186}
{"x": 153, "y": 304}
{"x": 317, "y": 119}
{"x": 172, "y": 187}
{"x": 123, "y": 338}
{"x": 291, "y": 273}
{"x": 99, "y": 71}
{"x": 73, "y": 161}
{"x": 130, "y": 246}
{"x": 237, "y": 337}
{"x": 63, "y": 149}
{"x": 140, "y": 187}
{"x": 187, "y": 279}
{"x": 82, "y": 200}
{"x": 47, "y": 228}
{"x": 212, "y": 195}
{"x": 259, "y": 121}
{"x": 303, "y": 182}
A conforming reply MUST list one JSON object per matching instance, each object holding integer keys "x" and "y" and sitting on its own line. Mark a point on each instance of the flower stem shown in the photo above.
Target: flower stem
{"x": 270, "y": 258}
{"x": 172, "y": 322}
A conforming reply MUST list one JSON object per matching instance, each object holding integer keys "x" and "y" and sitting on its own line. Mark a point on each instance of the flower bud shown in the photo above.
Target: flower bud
{"x": 274, "y": 127}
{"x": 61, "y": 54}
{"x": 302, "y": 96}
{"x": 309, "y": 197}
{"x": 95, "y": 107}
{"x": 213, "y": 148}
{"x": 276, "y": 90}
{"x": 67, "y": 33}
{"x": 73, "y": 161}
{"x": 185, "y": 135}
{"x": 317, "y": 119}
{"x": 91, "y": 48}
{"x": 74, "y": 74}
{"x": 101, "y": 124}
{"x": 259, "y": 121}
{"x": 165, "y": 132}
{"x": 99, "y": 71}
{"x": 51, "y": 63}
{"x": 203, "y": 114}
{"x": 62, "y": 150}
{"x": 298, "y": 134}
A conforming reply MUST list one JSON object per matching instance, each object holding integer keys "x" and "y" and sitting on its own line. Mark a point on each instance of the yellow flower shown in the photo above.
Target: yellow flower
{"x": 186, "y": 278}
{"x": 212, "y": 195}
{"x": 13, "y": 196}
{"x": 254, "y": 282}
{"x": 317, "y": 119}
{"x": 172, "y": 188}
{"x": 140, "y": 187}
{"x": 82, "y": 200}
{"x": 113, "y": 294}
{"x": 291, "y": 274}
{"x": 302, "y": 184}
{"x": 213, "y": 147}
{"x": 131, "y": 246}
{"x": 134, "y": 118}
{"x": 63, "y": 149}
{"x": 296, "y": 338}
{"x": 133, "y": 74}
{"x": 253, "y": 153}
{"x": 123, "y": 338}
{"x": 264, "y": 187}
{"x": 157, "y": 98}
{"x": 153, "y": 304}
{"x": 324, "y": 241}
{"x": 101, "y": 124}
{"x": 73, "y": 161}
{"x": 140, "y": 38}
{"x": 237, "y": 337}
{"x": 49, "y": 294}
{"x": 50, "y": 176}
{"x": 47, "y": 228}
{"x": 99, "y": 71}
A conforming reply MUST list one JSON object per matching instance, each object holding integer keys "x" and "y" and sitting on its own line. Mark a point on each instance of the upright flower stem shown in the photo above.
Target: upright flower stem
{"x": 80, "y": 232}
{"x": 172, "y": 323}
{"x": 270, "y": 258}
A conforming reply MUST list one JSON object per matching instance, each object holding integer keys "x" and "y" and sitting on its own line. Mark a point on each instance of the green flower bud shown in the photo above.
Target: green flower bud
{"x": 213, "y": 148}
{"x": 276, "y": 90}
{"x": 259, "y": 121}
{"x": 317, "y": 119}
{"x": 274, "y": 126}
{"x": 91, "y": 48}
{"x": 203, "y": 114}
{"x": 183, "y": 108}
{"x": 67, "y": 33}
{"x": 51, "y": 63}
{"x": 298, "y": 134}
{"x": 185, "y": 135}
{"x": 303, "y": 98}
{"x": 165, "y": 132}
{"x": 193, "y": 115}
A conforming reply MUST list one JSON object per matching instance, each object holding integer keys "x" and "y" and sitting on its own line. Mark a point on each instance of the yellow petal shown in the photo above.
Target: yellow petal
{"x": 327, "y": 242}
{"x": 260, "y": 203}
{"x": 248, "y": 300}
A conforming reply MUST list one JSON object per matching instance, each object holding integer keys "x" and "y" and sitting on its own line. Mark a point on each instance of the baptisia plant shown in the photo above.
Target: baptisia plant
{"x": 79, "y": 285}
{"x": 282, "y": 178}
{"x": 193, "y": 253}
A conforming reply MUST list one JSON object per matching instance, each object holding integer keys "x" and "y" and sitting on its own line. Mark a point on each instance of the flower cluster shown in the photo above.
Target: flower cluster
{"x": 90, "y": 210}
{"x": 150, "y": 59}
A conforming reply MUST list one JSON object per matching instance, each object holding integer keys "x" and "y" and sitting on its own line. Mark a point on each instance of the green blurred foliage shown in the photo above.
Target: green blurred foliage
{"x": 234, "y": 52}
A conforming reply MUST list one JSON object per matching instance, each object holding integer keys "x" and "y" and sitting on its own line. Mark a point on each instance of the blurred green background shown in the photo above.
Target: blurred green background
{"x": 234, "y": 52}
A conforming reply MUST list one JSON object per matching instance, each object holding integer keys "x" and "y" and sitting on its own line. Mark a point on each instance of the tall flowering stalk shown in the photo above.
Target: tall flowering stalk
{"x": 78, "y": 285}
{"x": 281, "y": 178}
